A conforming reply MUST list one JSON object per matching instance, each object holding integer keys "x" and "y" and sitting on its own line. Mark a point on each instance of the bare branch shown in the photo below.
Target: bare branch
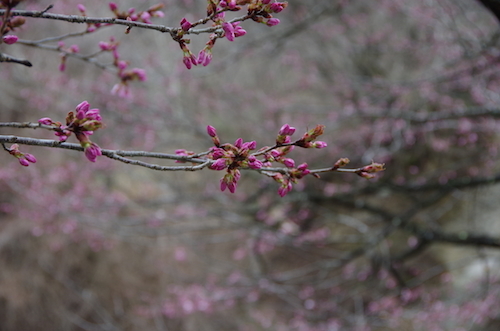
{"x": 8, "y": 58}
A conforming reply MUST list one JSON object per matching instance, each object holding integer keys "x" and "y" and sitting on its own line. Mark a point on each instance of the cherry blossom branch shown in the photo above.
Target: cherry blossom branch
{"x": 227, "y": 157}
{"x": 120, "y": 155}
{"x": 260, "y": 11}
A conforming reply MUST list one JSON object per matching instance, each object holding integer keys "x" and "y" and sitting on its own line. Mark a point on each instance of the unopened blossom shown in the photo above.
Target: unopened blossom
{"x": 286, "y": 130}
{"x": 74, "y": 49}
{"x": 220, "y": 164}
{"x": 250, "y": 145}
{"x": 81, "y": 8}
{"x": 204, "y": 57}
{"x": 272, "y": 22}
{"x": 140, "y": 74}
{"x": 290, "y": 163}
{"x": 238, "y": 30}
{"x": 10, "y": 39}
{"x": 285, "y": 189}
{"x": 92, "y": 151}
{"x": 45, "y": 121}
{"x": 230, "y": 180}
{"x": 211, "y": 131}
{"x": 113, "y": 6}
{"x": 319, "y": 144}
{"x": 30, "y": 157}
{"x": 238, "y": 143}
{"x": 24, "y": 158}
{"x": 278, "y": 6}
{"x": 145, "y": 17}
{"x": 254, "y": 163}
{"x": 185, "y": 24}
{"x": 228, "y": 30}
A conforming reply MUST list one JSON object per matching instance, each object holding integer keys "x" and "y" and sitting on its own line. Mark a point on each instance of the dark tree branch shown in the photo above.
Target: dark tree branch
{"x": 8, "y": 58}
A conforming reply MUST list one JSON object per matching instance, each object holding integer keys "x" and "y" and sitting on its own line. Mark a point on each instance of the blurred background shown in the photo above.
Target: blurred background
{"x": 109, "y": 246}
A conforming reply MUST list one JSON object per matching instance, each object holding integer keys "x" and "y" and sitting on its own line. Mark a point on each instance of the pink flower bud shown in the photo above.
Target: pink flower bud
{"x": 74, "y": 48}
{"x": 250, "y": 145}
{"x": 255, "y": 164}
{"x": 239, "y": 31}
{"x": 81, "y": 7}
{"x": 31, "y": 158}
{"x": 140, "y": 74}
{"x": 93, "y": 114}
{"x": 283, "y": 190}
{"x": 275, "y": 153}
{"x": 211, "y": 131}
{"x": 122, "y": 64}
{"x": 187, "y": 62}
{"x": 145, "y": 16}
{"x": 185, "y": 24}
{"x": 289, "y": 163}
{"x": 238, "y": 143}
{"x": 158, "y": 13}
{"x": 104, "y": 46}
{"x": 286, "y": 130}
{"x": 92, "y": 152}
{"x": 205, "y": 57}
{"x": 113, "y": 6}
{"x": 45, "y": 121}
{"x": 217, "y": 153}
{"x": 319, "y": 144}
{"x": 272, "y": 22}
{"x": 232, "y": 187}
{"x": 10, "y": 39}
{"x": 23, "y": 162}
{"x": 220, "y": 164}
{"x": 277, "y": 7}
{"x": 229, "y": 30}
{"x": 83, "y": 106}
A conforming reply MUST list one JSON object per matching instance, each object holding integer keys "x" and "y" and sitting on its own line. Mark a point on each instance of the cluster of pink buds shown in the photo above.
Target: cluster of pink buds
{"x": 188, "y": 57}
{"x": 293, "y": 176}
{"x": 260, "y": 11}
{"x": 231, "y": 157}
{"x": 24, "y": 158}
{"x": 141, "y": 16}
{"x": 83, "y": 122}
{"x": 122, "y": 89}
{"x": 233, "y": 30}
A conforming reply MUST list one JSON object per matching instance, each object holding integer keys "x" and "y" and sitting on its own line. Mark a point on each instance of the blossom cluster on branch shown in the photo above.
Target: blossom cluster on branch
{"x": 229, "y": 157}
{"x": 260, "y": 11}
